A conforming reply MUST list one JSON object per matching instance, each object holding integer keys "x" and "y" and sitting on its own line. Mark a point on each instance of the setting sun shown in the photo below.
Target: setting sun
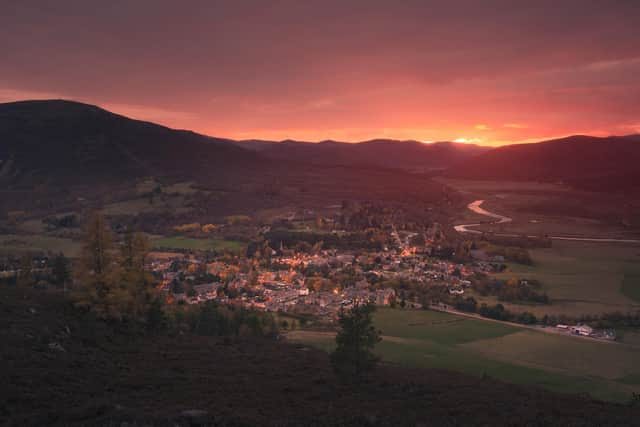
{"x": 362, "y": 212}
{"x": 468, "y": 140}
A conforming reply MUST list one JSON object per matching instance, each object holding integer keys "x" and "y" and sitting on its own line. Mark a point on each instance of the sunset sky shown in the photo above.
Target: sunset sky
{"x": 492, "y": 72}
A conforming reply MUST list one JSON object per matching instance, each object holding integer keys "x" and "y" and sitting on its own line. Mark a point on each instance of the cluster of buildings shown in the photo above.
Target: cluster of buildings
{"x": 312, "y": 284}
{"x": 587, "y": 331}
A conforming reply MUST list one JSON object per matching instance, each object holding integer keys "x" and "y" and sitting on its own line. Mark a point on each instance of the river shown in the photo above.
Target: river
{"x": 475, "y": 206}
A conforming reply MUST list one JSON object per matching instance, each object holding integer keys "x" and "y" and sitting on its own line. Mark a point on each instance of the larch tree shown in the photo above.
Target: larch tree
{"x": 114, "y": 283}
{"x": 96, "y": 273}
{"x": 135, "y": 289}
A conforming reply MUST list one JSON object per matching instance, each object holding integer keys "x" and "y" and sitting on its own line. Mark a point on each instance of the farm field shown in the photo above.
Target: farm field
{"x": 570, "y": 355}
{"x": 631, "y": 283}
{"x": 441, "y": 340}
{"x": 582, "y": 278}
{"x": 11, "y": 243}
{"x": 195, "y": 244}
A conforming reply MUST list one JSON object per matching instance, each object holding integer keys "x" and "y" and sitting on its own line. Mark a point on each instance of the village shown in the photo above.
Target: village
{"x": 318, "y": 284}
{"x": 321, "y": 284}
{"x": 408, "y": 269}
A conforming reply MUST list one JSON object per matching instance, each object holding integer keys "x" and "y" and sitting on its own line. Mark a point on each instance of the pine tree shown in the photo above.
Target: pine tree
{"x": 353, "y": 357}
{"x": 60, "y": 269}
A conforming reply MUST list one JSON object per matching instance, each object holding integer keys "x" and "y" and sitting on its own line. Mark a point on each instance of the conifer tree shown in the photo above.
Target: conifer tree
{"x": 353, "y": 357}
{"x": 97, "y": 272}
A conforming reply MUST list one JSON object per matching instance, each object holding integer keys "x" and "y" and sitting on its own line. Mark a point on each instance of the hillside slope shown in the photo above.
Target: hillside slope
{"x": 58, "y": 369}
{"x": 68, "y": 142}
{"x": 55, "y": 153}
{"x": 585, "y": 162}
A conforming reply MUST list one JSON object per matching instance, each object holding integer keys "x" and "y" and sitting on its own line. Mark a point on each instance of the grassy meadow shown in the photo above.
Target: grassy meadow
{"x": 180, "y": 242}
{"x": 26, "y": 243}
{"x": 631, "y": 283}
{"x": 583, "y": 278}
{"x": 439, "y": 340}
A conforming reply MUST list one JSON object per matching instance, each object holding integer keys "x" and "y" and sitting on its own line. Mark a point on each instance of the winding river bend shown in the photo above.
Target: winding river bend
{"x": 475, "y": 206}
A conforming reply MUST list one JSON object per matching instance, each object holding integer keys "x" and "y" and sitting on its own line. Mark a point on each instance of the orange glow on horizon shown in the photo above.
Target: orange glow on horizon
{"x": 347, "y": 71}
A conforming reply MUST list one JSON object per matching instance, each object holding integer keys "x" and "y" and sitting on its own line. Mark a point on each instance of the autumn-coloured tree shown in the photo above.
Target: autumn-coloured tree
{"x": 96, "y": 272}
{"x": 114, "y": 284}
{"x": 135, "y": 286}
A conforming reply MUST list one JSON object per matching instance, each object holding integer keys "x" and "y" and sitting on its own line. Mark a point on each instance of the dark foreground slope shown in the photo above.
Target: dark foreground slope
{"x": 586, "y": 162}
{"x": 56, "y": 370}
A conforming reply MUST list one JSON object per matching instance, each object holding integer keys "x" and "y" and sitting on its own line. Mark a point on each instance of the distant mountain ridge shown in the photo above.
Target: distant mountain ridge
{"x": 61, "y": 141}
{"x": 587, "y": 162}
{"x": 67, "y": 142}
{"x": 408, "y": 155}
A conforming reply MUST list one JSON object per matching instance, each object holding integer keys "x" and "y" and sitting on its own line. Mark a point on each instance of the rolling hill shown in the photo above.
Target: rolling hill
{"x": 585, "y": 162}
{"x": 55, "y": 149}
{"x": 68, "y": 142}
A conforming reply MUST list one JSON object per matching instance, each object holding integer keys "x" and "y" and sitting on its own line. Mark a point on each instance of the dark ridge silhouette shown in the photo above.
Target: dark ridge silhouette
{"x": 65, "y": 143}
{"x": 59, "y": 148}
{"x": 388, "y": 153}
{"x": 71, "y": 142}
{"x": 585, "y": 162}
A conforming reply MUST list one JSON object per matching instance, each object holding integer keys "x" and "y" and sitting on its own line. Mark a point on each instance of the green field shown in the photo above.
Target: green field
{"x": 440, "y": 340}
{"x": 631, "y": 283}
{"x": 180, "y": 242}
{"x": 571, "y": 355}
{"x": 11, "y": 243}
{"x": 583, "y": 278}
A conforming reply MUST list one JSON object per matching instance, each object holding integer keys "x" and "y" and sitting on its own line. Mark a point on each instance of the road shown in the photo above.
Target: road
{"x": 546, "y": 330}
{"x": 475, "y": 206}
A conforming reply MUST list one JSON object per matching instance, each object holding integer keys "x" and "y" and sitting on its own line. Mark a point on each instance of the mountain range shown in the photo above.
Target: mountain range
{"x": 66, "y": 142}
{"x": 414, "y": 156}
{"x": 586, "y": 162}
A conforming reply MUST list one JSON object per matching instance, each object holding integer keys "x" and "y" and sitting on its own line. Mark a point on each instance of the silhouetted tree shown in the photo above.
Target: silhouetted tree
{"x": 60, "y": 270}
{"x": 353, "y": 357}
{"x": 25, "y": 276}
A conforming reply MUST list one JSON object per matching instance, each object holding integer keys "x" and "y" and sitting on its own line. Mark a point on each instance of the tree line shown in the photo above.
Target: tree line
{"x": 113, "y": 283}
